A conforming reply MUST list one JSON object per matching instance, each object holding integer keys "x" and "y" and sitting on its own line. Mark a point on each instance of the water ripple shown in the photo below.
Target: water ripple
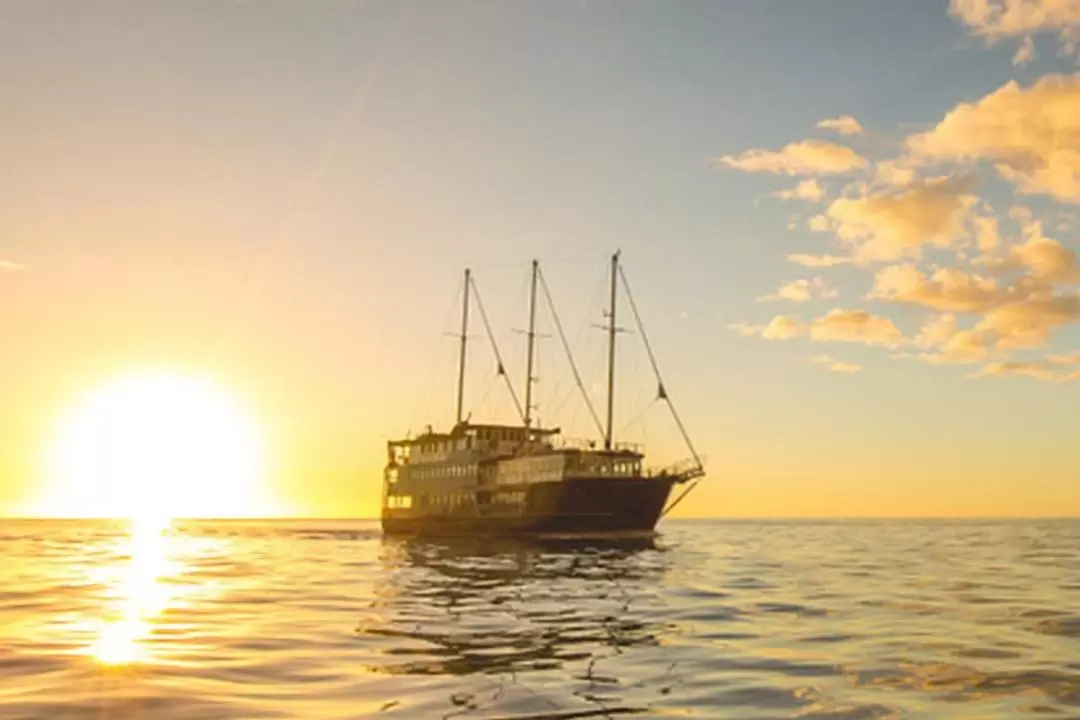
{"x": 826, "y": 620}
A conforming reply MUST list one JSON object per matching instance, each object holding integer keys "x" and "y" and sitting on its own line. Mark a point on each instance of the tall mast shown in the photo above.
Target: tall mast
{"x": 464, "y": 342}
{"x": 612, "y": 329}
{"x": 532, "y": 344}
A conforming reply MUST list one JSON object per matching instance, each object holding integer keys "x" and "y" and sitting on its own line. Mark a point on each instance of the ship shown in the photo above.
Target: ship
{"x": 522, "y": 479}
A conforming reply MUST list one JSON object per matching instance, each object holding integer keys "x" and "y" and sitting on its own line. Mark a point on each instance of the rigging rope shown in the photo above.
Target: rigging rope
{"x": 569, "y": 354}
{"x": 661, "y": 392}
{"x": 495, "y": 349}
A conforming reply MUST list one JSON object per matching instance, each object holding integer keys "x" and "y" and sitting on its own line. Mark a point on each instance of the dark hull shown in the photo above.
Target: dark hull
{"x": 573, "y": 507}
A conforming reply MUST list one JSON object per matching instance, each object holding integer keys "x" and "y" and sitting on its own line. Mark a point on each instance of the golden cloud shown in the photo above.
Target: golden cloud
{"x": 855, "y": 326}
{"x": 808, "y": 190}
{"x": 837, "y": 366}
{"x": 1034, "y": 370}
{"x": 1028, "y": 322}
{"x": 782, "y": 327}
{"x": 995, "y": 19}
{"x": 1032, "y": 136}
{"x": 803, "y": 290}
{"x": 808, "y": 157}
{"x": 898, "y": 223}
{"x": 845, "y": 125}
{"x": 947, "y": 289}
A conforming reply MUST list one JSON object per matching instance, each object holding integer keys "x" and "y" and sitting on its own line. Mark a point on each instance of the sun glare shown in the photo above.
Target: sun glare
{"x": 153, "y": 447}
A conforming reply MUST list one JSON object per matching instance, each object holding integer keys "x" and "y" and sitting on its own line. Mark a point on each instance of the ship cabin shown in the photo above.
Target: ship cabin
{"x": 490, "y": 465}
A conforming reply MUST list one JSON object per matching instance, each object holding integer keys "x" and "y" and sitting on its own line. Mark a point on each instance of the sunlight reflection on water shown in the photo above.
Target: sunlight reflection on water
{"x": 140, "y": 595}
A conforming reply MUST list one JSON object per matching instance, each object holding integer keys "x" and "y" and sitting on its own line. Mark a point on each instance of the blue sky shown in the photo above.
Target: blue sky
{"x": 283, "y": 194}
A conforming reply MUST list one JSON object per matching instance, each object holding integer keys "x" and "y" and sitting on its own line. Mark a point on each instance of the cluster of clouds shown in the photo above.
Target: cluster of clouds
{"x": 992, "y": 286}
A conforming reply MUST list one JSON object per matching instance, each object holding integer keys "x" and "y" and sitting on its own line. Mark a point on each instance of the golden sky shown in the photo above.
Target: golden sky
{"x": 852, "y": 233}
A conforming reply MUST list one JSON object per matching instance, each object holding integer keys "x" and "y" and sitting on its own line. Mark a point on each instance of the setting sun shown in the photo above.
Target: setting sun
{"x": 153, "y": 447}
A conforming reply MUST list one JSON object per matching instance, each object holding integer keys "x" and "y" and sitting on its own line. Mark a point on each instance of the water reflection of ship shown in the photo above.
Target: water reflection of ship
{"x": 512, "y": 606}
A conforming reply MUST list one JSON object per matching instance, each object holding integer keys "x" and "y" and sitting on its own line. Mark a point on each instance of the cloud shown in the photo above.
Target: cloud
{"x": 10, "y": 266}
{"x": 808, "y": 190}
{"x": 818, "y": 223}
{"x": 987, "y": 234}
{"x": 1028, "y": 322}
{"x": 837, "y": 366}
{"x": 1025, "y": 53}
{"x": 893, "y": 172}
{"x": 845, "y": 125}
{"x": 803, "y": 290}
{"x": 782, "y": 327}
{"x": 1034, "y": 370}
{"x": 1072, "y": 358}
{"x": 997, "y": 19}
{"x": 947, "y": 289}
{"x": 898, "y": 223}
{"x": 746, "y": 330}
{"x": 1032, "y": 136}
{"x": 1044, "y": 257}
{"x": 855, "y": 326}
{"x": 817, "y": 261}
{"x": 807, "y": 157}
{"x": 951, "y": 345}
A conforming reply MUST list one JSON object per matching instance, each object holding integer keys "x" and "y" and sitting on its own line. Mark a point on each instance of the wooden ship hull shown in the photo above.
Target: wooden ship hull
{"x": 574, "y": 507}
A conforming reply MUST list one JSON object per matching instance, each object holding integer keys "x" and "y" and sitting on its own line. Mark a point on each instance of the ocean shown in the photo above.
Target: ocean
{"x": 714, "y": 619}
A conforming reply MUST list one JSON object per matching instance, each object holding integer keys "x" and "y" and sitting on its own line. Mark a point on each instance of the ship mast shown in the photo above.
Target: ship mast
{"x": 532, "y": 344}
{"x": 612, "y": 330}
{"x": 464, "y": 342}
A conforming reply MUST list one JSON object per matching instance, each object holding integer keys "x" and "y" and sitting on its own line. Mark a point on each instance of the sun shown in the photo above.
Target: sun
{"x": 156, "y": 446}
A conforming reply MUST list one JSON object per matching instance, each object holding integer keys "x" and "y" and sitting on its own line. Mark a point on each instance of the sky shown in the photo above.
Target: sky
{"x": 850, "y": 228}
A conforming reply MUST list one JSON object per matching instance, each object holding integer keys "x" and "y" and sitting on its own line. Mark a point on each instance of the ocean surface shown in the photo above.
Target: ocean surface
{"x": 714, "y": 619}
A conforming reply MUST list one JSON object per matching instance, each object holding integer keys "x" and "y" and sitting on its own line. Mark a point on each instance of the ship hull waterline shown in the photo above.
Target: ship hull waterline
{"x": 577, "y": 507}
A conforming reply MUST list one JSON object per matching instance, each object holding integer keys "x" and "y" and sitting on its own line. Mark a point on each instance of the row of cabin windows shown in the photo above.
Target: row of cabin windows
{"x": 419, "y": 472}
{"x": 467, "y": 442}
{"x": 451, "y": 499}
{"x": 446, "y": 500}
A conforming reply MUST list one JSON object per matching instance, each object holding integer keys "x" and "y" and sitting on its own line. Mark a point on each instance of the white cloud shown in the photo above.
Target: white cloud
{"x": 803, "y": 290}
{"x": 845, "y": 125}
{"x": 809, "y": 190}
{"x": 807, "y": 157}
{"x": 855, "y": 326}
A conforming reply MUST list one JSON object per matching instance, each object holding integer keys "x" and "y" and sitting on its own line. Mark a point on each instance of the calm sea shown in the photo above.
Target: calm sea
{"x": 712, "y": 620}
